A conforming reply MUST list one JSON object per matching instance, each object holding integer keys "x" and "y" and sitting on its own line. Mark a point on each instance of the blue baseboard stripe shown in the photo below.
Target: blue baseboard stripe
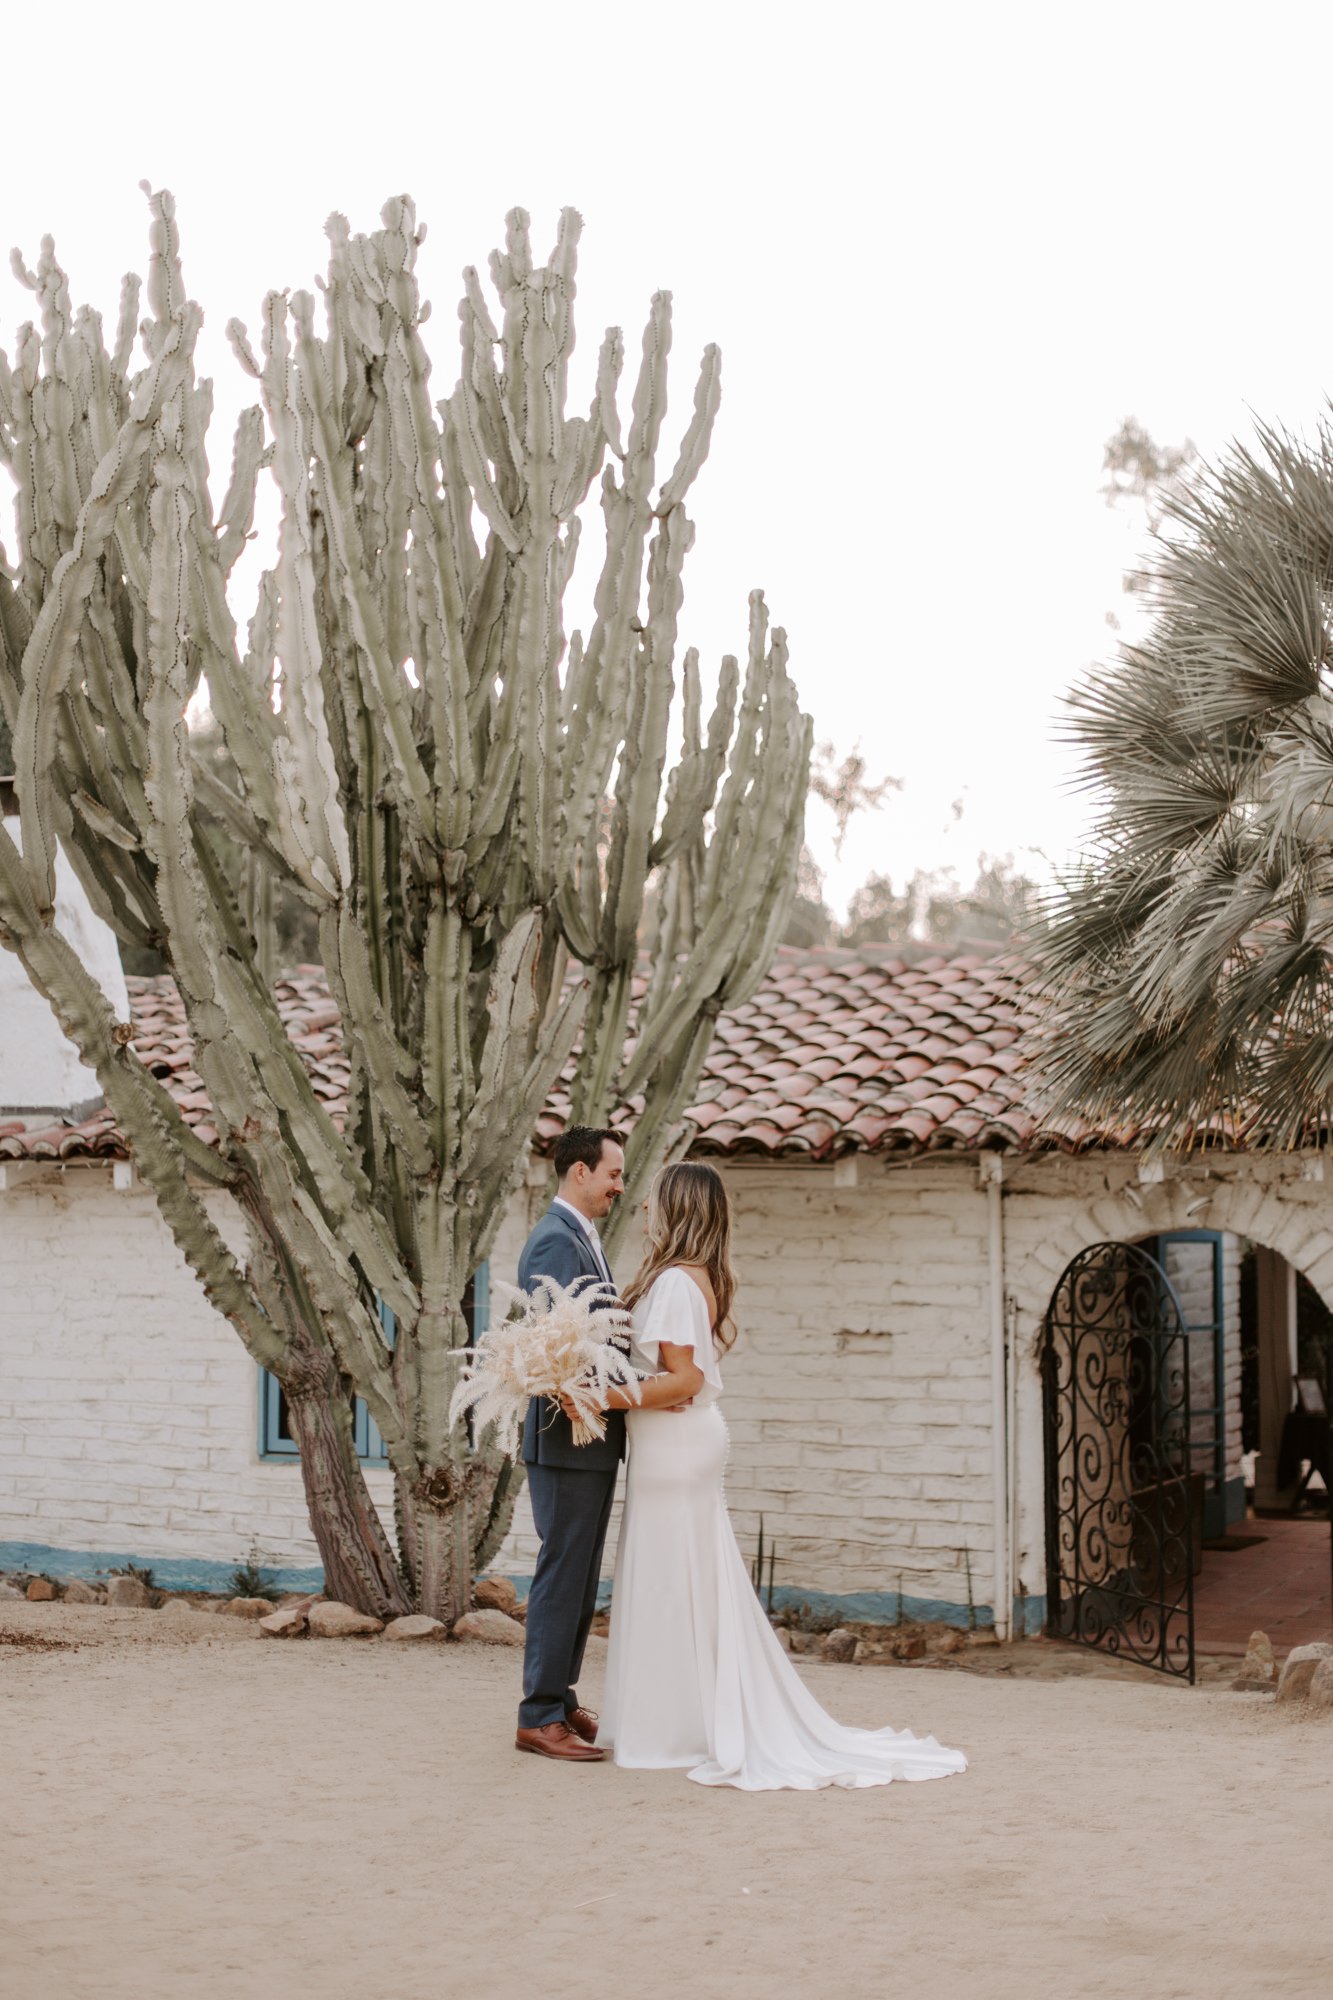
{"x": 867, "y": 1607}
{"x": 169, "y": 1572}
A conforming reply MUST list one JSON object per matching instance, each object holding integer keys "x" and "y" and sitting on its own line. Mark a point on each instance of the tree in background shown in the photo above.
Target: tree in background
{"x": 1142, "y": 474}
{"x": 842, "y": 784}
{"x": 1138, "y": 468}
{"x": 932, "y": 908}
{"x": 466, "y": 809}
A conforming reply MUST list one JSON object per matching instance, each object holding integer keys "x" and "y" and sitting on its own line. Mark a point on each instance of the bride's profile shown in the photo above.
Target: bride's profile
{"x": 696, "y": 1677}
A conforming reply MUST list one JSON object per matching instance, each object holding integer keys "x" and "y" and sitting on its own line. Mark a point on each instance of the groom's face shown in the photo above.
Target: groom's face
{"x": 605, "y": 1182}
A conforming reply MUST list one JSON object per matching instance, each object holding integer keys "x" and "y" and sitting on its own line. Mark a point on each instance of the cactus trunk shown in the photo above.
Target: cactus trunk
{"x": 436, "y": 1528}
{"x": 359, "y": 1565}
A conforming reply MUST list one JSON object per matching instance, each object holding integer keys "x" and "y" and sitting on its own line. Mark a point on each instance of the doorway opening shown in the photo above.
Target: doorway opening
{"x": 1188, "y": 1381}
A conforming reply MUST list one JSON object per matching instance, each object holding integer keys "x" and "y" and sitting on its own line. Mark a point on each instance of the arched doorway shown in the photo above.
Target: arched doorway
{"x": 1123, "y": 1503}
{"x": 1270, "y": 1570}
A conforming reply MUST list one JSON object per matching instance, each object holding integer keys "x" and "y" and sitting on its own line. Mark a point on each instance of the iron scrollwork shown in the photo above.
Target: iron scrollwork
{"x": 1119, "y": 1518}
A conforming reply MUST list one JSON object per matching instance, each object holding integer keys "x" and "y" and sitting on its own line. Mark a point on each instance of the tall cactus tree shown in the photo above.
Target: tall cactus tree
{"x": 476, "y": 811}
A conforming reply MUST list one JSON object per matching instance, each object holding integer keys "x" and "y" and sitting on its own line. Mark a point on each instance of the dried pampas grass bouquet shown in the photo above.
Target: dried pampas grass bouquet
{"x": 552, "y": 1342}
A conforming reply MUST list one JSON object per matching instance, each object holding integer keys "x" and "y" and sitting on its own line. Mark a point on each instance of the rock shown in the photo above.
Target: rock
{"x": 1298, "y": 1670}
{"x": 1258, "y": 1670}
{"x": 784, "y": 1639}
{"x": 1321, "y": 1685}
{"x": 246, "y": 1607}
{"x": 985, "y": 1635}
{"x": 9, "y": 1595}
{"x": 79, "y": 1592}
{"x": 803, "y": 1642}
{"x": 39, "y": 1591}
{"x": 289, "y": 1621}
{"x": 872, "y": 1652}
{"x": 339, "y": 1621}
{"x": 127, "y": 1593}
{"x": 493, "y": 1628}
{"x": 949, "y": 1639}
{"x": 495, "y": 1593}
{"x": 418, "y": 1626}
{"x": 838, "y": 1645}
{"x": 181, "y": 1612}
{"x": 907, "y": 1645}
{"x": 1259, "y": 1663}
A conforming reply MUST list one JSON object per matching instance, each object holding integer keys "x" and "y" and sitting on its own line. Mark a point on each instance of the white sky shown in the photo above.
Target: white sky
{"x": 944, "y": 250}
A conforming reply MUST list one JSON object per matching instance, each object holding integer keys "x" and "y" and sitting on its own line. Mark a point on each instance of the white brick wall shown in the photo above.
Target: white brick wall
{"x": 129, "y": 1410}
{"x": 128, "y": 1407}
{"x": 858, "y": 1392}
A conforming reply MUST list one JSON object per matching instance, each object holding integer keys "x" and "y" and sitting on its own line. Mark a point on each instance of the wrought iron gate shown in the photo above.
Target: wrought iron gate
{"x": 1120, "y": 1528}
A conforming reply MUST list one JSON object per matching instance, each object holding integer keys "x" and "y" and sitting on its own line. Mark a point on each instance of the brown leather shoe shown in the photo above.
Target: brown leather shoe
{"x": 583, "y": 1722}
{"x": 556, "y": 1739}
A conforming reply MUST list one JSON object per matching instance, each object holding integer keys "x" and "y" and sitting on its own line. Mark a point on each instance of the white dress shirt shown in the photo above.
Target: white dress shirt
{"x": 586, "y": 1225}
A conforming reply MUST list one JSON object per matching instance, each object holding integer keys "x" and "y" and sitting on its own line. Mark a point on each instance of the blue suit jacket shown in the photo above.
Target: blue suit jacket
{"x": 559, "y": 1248}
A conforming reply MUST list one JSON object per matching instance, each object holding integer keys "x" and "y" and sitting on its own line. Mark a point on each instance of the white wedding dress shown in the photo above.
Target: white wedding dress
{"x": 696, "y": 1678}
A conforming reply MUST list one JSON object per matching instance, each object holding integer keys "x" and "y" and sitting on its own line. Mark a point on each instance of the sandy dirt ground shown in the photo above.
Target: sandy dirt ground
{"x": 196, "y": 1814}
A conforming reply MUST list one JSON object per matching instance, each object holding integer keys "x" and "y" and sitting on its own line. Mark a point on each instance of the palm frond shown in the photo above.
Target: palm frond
{"x": 1188, "y": 968}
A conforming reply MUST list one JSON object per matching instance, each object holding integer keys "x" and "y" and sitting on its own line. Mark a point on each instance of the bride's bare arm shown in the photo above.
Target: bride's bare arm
{"x": 679, "y": 1381}
{"x": 681, "y": 1378}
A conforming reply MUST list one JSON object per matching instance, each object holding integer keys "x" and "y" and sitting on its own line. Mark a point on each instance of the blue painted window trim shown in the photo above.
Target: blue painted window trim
{"x": 276, "y": 1443}
{"x": 272, "y": 1443}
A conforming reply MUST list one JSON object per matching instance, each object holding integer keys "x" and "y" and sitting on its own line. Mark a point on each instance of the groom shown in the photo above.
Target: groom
{"x": 572, "y": 1485}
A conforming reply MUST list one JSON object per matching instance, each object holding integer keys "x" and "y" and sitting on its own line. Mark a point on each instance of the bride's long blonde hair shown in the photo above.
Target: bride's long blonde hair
{"x": 689, "y": 1222}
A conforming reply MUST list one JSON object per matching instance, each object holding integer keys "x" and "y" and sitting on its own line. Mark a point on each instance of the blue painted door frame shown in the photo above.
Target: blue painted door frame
{"x": 1224, "y": 1499}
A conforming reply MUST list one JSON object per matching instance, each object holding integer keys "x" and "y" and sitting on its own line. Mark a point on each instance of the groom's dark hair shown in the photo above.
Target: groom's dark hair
{"x": 582, "y": 1143}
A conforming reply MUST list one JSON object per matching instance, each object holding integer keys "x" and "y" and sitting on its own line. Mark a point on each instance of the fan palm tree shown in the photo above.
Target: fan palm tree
{"x": 1189, "y": 968}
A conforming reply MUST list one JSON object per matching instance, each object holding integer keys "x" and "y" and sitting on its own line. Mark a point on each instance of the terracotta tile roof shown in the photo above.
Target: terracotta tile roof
{"x": 839, "y": 1051}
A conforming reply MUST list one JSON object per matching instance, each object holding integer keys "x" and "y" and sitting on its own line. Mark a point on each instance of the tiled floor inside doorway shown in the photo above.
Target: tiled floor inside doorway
{"x": 1279, "y": 1585}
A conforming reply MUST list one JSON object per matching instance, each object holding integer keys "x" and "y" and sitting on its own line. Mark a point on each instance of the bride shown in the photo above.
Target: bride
{"x": 696, "y": 1679}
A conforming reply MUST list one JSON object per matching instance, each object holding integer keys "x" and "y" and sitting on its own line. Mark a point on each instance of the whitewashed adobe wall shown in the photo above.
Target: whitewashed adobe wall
{"x": 40, "y": 1071}
{"x": 129, "y": 1410}
{"x": 858, "y": 1393}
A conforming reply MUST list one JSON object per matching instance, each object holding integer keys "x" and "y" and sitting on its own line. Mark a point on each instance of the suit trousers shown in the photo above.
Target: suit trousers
{"x": 571, "y": 1511}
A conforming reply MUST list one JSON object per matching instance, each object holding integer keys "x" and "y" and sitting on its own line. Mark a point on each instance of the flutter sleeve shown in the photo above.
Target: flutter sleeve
{"x": 675, "y": 1311}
